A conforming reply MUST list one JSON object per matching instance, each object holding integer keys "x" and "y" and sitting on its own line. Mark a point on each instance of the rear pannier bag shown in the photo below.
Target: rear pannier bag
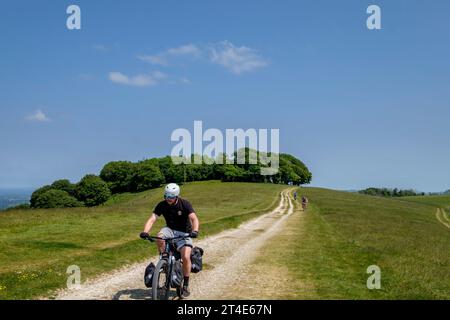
{"x": 196, "y": 260}
{"x": 176, "y": 277}
{"x": 148, "y": 275}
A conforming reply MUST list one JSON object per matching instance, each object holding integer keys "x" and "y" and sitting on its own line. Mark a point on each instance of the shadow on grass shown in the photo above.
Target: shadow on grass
{"x": 52, "y": 245}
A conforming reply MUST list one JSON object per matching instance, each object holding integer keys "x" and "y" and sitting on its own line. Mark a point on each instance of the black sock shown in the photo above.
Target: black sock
{"x": 186, "y": 281}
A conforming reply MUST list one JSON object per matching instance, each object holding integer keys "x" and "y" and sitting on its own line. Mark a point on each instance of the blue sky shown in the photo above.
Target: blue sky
{"x": 361, "y": 108}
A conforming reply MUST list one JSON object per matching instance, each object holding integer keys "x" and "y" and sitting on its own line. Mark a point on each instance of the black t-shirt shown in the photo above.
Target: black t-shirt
{"x": 177, "y": 215}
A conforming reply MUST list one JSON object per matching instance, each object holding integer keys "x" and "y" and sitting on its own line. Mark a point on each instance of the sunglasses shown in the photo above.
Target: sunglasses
{"x": 169, "y": 198}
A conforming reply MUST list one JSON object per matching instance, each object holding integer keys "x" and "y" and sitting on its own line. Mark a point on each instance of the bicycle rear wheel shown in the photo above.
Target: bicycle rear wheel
{"x": 161, "y": 281}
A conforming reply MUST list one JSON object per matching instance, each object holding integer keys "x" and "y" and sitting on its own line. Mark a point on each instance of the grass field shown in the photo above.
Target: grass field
{"x": 323, "y": 253}
{"x": 328, "y": 248}
{"x": 435, "y": 201}
{"x": 37, "y": 246}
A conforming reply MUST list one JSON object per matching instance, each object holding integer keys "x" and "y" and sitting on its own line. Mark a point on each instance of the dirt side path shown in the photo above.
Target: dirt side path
{"x": 227, "y": 255}
{"x": 442, "y": 217}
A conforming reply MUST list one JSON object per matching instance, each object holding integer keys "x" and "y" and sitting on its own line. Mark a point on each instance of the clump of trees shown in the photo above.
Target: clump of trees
{"x": 56, "y": 199}
{"x": 23, "y": 206}
{"x": 119, "y": 175}
{"x": 90, "y": 191}
{"x": 125, "y": 176}
{"x": 386, "y": 192}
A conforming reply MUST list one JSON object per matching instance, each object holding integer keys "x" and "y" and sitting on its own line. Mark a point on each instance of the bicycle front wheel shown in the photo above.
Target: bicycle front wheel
{"x": 161, "y": 281}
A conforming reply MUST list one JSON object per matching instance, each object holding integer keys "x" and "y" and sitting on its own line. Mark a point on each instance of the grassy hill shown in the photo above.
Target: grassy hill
{"x": 322, "y": 254}
{"x": 442, "y": 201}
{"x": 37, "y": 246}
{"x": 328, "y": 248}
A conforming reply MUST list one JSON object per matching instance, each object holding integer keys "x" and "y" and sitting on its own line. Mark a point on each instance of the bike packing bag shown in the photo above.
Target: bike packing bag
{"x": 176, "y": 277}
{"x": 148, "y": 275}
{"x": 196, "y": 260}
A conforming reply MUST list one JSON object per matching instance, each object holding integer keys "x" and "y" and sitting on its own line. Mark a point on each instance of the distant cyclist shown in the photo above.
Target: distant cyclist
{"x": 304, "y": 202}
{"x": 295, "y": 195}
{"x": 180, "y": 219}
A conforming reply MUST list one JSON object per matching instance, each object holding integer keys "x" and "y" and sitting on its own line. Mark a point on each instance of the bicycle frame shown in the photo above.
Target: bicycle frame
{"x": 169, "y": 244}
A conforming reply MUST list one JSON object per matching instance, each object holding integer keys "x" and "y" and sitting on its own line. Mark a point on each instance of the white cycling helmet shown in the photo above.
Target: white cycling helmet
{"x": 172, "y": 190}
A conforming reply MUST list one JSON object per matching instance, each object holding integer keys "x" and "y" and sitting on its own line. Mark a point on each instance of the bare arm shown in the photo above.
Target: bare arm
{"x": 194, "y": 221}
{"x": 150, "y": 222}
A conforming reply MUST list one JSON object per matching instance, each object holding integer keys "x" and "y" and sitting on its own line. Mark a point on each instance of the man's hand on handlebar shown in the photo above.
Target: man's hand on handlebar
{"x": 194, "y": 234}
{"x": 144, "y": 235}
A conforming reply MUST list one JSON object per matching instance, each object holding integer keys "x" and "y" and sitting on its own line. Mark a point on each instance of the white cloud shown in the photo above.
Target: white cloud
{"x": 189, "y": 49}
{"x": 185, "y": 81}
{"x": 236, "y": 59}
{"x": 38, "y": 116}
{"x": 140, "y": 80}
{"x": 158, "y": 75}
{"x": 162, "y": 57}
{"x": 154, "y": 59}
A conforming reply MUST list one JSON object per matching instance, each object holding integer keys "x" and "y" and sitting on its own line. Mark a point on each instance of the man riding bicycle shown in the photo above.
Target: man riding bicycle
{"x": 304, "y": 202}
{"x": 180, "y": 219}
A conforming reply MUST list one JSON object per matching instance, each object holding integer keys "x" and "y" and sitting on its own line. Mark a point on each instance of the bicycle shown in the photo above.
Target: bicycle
{"x": 161, "y": 285}
{"x": 304, "y": 203}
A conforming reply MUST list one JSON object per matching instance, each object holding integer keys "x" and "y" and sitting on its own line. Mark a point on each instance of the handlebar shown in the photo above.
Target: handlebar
{"x": 152, "y": 238}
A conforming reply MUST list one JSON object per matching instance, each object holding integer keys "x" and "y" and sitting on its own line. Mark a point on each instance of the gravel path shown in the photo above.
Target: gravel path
{"x": 226, "y": 256}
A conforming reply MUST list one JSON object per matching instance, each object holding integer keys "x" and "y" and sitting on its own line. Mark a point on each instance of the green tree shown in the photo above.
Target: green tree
{"x": 251, "y": 166}
{"x": 23, "y": 206}
{"x": 64, "y": 185}
{"x": 119, "y": 175}
{"x": 92, "y": 190}
{"x": 232, "y": 173}
{"x": 37, "y": 193}
{"x": 147, "y": 175}
{"x": 386, "y": 192}
{"x": 171, "y": 172}
{"x": 293, "y": 170}
{"x": 201, "y": 171}
{"x": 56, "y": 199}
